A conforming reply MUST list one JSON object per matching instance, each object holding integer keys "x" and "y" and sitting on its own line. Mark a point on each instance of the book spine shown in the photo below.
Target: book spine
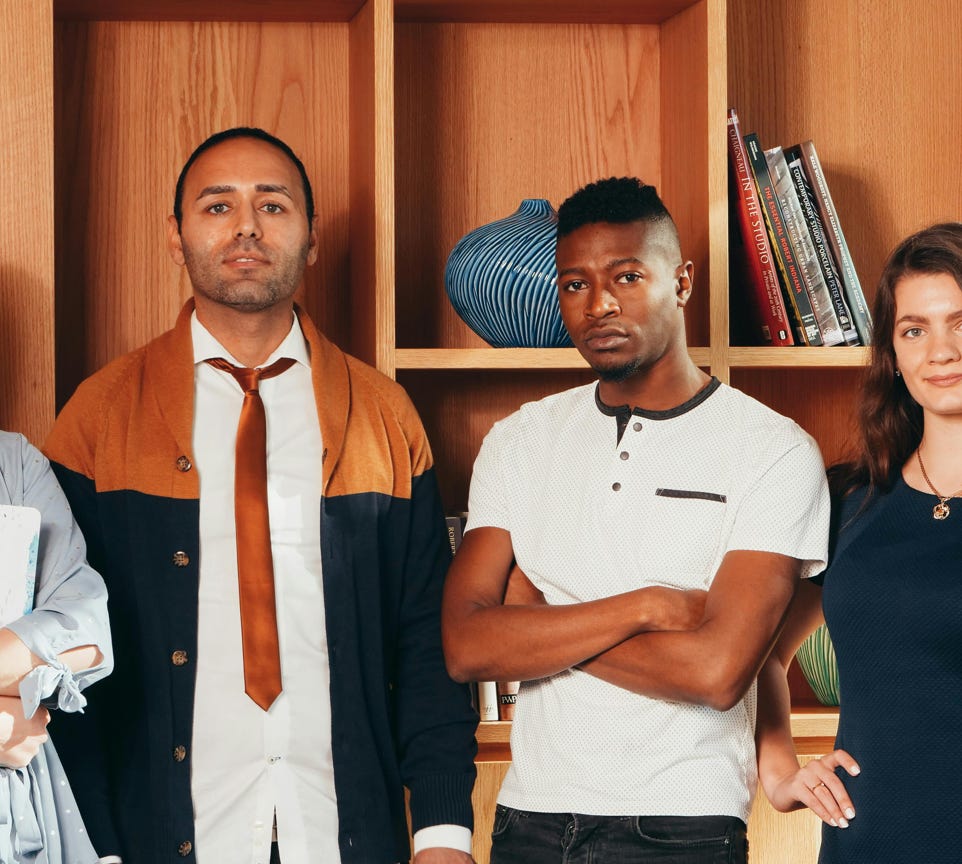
{"x": 455, "y": 527}
{"x": 823, "y": 254}
{"x": 833, "y": 229}
{"x": 831, "y": 327}
{"x": 507, "y": 698}
{"x": 488, "y": 700}
{"x": 768, "y": 302}
{"x": 787, "y": 265}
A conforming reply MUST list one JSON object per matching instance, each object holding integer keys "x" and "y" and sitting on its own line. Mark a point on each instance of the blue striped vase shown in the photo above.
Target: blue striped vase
{"x": 501, "y": 279}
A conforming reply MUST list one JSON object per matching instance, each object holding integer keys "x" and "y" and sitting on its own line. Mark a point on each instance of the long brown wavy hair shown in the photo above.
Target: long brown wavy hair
{"x": 889, "y": 419}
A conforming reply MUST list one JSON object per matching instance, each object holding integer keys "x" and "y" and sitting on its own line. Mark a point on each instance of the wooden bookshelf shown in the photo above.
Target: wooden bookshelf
{"x": 419, "y": 120}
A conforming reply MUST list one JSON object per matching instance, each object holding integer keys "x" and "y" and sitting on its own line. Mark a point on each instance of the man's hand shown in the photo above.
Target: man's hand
{"x": 442, "y": 855}
{"x": 20, "y": 739}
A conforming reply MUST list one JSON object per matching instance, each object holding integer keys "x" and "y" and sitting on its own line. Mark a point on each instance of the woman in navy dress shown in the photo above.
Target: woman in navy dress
{"x": 892, "y": 593}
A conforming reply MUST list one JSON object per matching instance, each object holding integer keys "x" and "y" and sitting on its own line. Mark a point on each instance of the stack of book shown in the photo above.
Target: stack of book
{"x": 789, "y": 259}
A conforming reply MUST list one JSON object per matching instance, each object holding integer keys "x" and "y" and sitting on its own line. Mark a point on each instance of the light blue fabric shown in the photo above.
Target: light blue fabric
{"x": 39, "y": 820}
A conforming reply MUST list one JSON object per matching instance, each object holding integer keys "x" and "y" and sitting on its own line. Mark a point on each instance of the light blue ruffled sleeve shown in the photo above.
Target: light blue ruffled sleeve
{"x": 70, "y": 606}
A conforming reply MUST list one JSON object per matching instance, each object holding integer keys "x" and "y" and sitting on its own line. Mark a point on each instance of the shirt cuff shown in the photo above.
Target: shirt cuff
{"x": 110, "y": 859}
{"x": 448, "y": 836}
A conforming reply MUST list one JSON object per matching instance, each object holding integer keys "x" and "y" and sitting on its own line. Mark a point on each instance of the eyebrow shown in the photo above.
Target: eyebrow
{"x": 923, "y": 319}
{"x": 611, "y": 265}
{"x": 278, "y": 188}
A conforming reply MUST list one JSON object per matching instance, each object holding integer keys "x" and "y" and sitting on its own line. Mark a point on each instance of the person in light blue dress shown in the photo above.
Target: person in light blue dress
{"x": 46, "y": 658}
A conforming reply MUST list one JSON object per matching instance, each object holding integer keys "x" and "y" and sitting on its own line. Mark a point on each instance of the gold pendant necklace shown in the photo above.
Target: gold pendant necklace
{"x": 941, "y": 510}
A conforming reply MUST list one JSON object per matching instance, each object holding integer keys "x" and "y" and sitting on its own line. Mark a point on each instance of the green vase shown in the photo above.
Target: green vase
{"x": 816, "y": 657}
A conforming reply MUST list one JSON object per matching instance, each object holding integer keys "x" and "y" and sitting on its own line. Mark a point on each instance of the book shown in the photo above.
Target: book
{"x": 820, "y": 245}
{"x": 455, "y": 525}
{"x": 803, "y": 316}
{"x": 488, "y": 700}
{"x": 507, "y": 698}
{"x": 861, "y": 316}
{"x": 834, "y": 322}
{"x": 753, "y": 252}
{"x": 19, "y": 542}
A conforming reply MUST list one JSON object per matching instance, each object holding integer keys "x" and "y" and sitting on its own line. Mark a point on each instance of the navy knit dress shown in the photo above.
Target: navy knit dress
{"x": 893, "y": 603}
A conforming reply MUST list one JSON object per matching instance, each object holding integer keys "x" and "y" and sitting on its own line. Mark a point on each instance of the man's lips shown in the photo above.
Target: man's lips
{"x": 601, "y": 339}
{"x": 245, "y": 260}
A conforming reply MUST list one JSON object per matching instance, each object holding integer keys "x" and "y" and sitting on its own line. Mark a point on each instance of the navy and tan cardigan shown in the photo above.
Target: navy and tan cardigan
{"x": 121, "y": 449}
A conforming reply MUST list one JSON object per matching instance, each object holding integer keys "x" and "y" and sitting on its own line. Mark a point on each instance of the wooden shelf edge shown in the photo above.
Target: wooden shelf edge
{"x": 503, "y": 358}
{"x": 795, "y": 357}
{"x": 207, "y": 10}
{"x": 540, "y": 12}
{"x": 813, "y": 728}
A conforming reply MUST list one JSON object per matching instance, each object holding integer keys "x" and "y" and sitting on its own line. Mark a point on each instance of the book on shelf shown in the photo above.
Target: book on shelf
{"x": 832, "y": 227}
{"x": 507, "y": 699}
{"x": 455, "y": 526}
{"x": 831, "y": 315}
{"x": 19, "y": 542}
{"x": 799, "y": 305}
{"x": 820, "y": 244}
{"x": 752, "y": 256}
{"x": 488, "y": 700}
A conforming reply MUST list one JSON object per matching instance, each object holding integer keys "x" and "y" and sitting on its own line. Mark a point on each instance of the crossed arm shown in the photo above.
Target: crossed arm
{"x": 660, "y": 642}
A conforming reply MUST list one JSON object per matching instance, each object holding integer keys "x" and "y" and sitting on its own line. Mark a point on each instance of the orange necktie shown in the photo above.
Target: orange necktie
{"x": 255, "y": 563}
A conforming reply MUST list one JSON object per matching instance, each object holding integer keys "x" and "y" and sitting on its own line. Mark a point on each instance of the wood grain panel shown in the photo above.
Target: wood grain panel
{"x": 875, "y": 85}
{"x": 487, "y": 115}
{"x": 484, "y": 799}
{"x": 206, "y": 10}
{"x": 134, "y": 100}
{"x": 26, "y": 235}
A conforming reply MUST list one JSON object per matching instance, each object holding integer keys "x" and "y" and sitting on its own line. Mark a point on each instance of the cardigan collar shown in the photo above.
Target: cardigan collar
{"x": 170, "y": 379}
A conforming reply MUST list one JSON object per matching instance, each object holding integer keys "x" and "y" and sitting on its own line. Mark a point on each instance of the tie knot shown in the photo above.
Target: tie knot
{"x": 249, "y": 378}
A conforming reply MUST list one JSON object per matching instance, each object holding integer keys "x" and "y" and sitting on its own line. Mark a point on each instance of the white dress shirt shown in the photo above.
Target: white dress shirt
{"x": 251, "y": 767}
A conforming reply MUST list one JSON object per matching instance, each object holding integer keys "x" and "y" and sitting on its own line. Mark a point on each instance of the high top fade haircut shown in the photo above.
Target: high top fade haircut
{"x": 618, "y": 200}
{"x": 242, "y": 132}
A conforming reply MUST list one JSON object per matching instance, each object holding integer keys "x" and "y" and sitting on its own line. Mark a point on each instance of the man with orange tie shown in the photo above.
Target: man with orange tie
{"x": 264, "y": 510}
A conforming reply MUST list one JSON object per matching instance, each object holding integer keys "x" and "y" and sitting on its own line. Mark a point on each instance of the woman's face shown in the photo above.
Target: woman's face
{"x": 928, "y": 340}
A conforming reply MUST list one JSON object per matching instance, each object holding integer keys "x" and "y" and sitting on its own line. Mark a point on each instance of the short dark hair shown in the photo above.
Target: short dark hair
{"x": 618, "y": 200}
{"x": 242, "y": 132}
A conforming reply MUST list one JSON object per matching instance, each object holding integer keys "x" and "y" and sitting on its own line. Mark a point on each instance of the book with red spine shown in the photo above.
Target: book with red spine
{"x": 764, "y": 289}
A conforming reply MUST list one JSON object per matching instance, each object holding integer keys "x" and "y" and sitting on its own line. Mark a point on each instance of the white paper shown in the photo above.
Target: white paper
{"x": 19, "y": 540}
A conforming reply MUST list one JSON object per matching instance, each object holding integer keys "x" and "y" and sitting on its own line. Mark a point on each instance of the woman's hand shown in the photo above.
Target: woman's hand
{"x": 818, "y": 787}
{"x": 20, "y": 739}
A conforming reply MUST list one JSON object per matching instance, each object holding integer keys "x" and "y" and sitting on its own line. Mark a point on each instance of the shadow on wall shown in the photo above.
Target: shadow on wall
{"x": 26, "y": 354}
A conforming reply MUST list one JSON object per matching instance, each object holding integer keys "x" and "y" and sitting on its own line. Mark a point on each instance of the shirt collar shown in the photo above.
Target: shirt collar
{"x": 206, "y": 345}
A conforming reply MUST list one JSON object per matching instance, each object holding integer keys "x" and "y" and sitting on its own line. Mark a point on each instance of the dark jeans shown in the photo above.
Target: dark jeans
{"x": 520, "y": 837}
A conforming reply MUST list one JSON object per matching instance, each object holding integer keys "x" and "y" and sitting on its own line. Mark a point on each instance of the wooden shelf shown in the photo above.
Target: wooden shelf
{"x": 813, "y": 728}
{"x": 760, "y": 358}
{"x": 206, "y": 10}
{"x": 541, "y": 11}
{"x": 503, "y": 358}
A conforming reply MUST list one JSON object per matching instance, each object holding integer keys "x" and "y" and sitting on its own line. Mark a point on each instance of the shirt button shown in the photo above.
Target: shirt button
{"x": 180, "y": 753}
{"x": 183, "y": 463}
{"x": 179, "y": 658}
{"x": 185, "y": 848}
{"x": 636, "y": 427}
{"x": 181, "y": 559}
{"x": 623, "y": 454}
{"x": 616, "y": 487}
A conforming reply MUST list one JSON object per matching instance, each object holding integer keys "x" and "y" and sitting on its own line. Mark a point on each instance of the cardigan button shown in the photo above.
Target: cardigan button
{"x": 180, "y": 753}
{"x": 179, "y": 658}
{"x": 181, "y": 559}
{"x": 183, "y": 463}
{"x": 185, "y": 848}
